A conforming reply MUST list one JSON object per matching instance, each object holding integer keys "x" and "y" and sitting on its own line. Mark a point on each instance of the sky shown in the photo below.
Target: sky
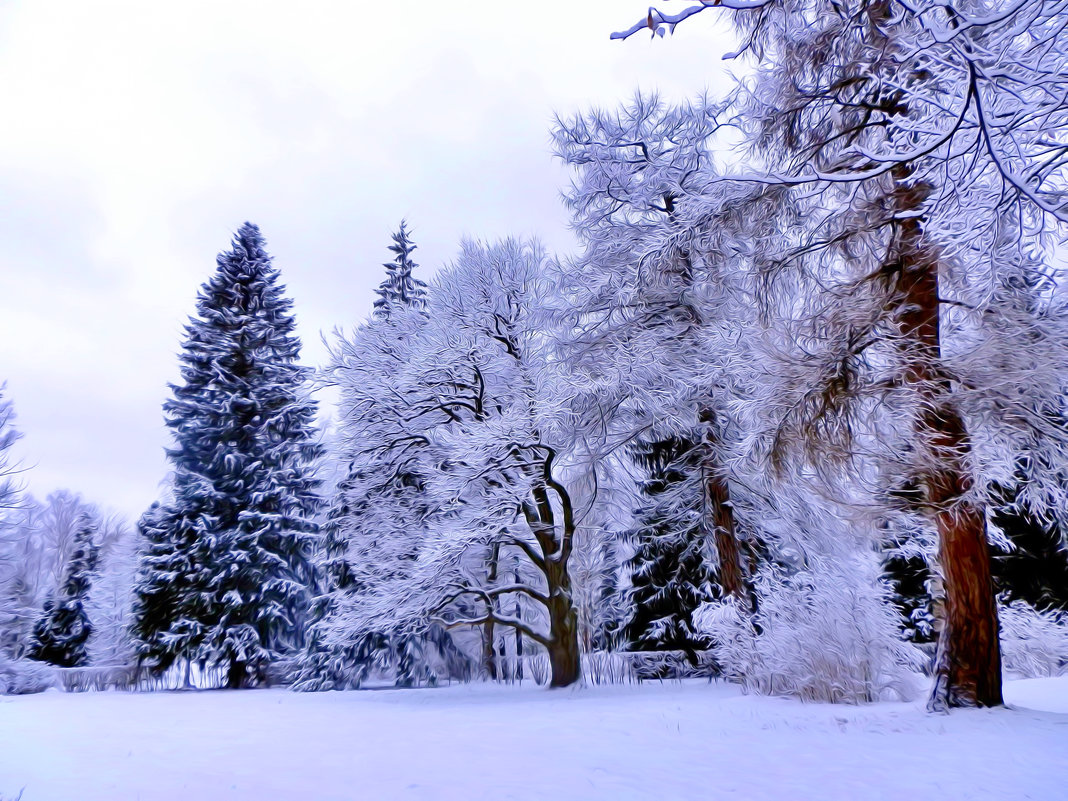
{"x": 138, "y": 136}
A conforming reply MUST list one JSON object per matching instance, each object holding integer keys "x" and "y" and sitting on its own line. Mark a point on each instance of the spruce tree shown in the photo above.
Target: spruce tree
{"x": 60, "y": 634}
{"x": 329, "y": 666}
{"x": 670, "y": 573}
{"x": 226, "y": 566}
{"x": 401, "y": 288}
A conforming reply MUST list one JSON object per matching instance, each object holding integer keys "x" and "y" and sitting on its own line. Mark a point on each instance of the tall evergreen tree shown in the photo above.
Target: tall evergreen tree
{"x": 325, "y": 667}
{"x": 226, "y": 568}
{"x": 400, "y": 289}
{"x": 60, "y": 634}
{"x": 670, "y": 573}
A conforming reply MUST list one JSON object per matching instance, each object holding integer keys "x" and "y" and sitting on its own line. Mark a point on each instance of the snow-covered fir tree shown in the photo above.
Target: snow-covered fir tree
{"x": 400, "y": 289}
{"x": 60, "y": 635}
{"x": 226, "y": 565}
{"x": 397, "y": 313}
{"x": 670, "y": 574}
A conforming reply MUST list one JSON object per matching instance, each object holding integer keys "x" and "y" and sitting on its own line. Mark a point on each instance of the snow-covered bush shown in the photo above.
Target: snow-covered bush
{"x": 826, "y": 634}
{"x": 1034, "y": 643}
{"x": 23, "y": 676}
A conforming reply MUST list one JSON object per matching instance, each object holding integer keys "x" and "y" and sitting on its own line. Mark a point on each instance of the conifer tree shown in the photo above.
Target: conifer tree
{"x": 335, "y": 667}
{"x": 60, "y": 634}
{"x": 226, "y": 567}
{"x": 670, "y": 574}
{"x": 400, "y": 289}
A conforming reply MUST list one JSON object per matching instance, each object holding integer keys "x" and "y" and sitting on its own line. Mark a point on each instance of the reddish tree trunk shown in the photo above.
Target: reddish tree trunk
{"x": 968, "y": 661}
{"x": 719, "y": 514}
{"x": 732, "y": 574}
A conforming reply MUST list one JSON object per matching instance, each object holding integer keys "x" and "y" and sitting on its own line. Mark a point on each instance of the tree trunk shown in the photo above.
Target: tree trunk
{"x": 236, "y": 675}
{"x": 518, "y": 637}
{"x": 489, "y": 661}
{"x": 732, "y": 574}
{"x": 718, "y": 513}
{"x": 968, "y": 658}
{"x": 563, "y": 645}
{"x": 555, "y": 541}
{"x": 968, "y": 661}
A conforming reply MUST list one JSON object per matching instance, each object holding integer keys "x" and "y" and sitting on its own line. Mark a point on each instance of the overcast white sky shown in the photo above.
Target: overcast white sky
{"x": 137, "y": 136}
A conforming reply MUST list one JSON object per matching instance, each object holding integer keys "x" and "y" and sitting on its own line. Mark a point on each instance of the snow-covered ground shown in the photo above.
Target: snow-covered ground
{"x": 663, "y": 742}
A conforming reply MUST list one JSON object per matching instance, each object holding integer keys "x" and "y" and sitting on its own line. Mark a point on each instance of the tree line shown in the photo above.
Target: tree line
{"x": 773, "y": 413}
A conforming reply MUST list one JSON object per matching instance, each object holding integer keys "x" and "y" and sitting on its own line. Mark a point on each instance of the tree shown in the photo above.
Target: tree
{"x": 653, "y": 287}
{"x": 12, "y": 609}
{"x": 669, "y": 574}
{"x": 928, "y": 141}
{"x": 111, "y": 597}
{"x": 400, "y": 289}
{"x": 56, "y": 524}
{"x": 350, "y": 530}
{"x": 60, "y": 635}
{"x": 472, "y": 405}
{"x": 225, "y": 571}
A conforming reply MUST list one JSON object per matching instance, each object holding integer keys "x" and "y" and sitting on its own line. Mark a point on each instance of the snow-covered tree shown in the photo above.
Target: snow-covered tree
{"x": 400, "y": 289}
{"x": 9, "y": 487}
{"x": 56, "y": 524}
{"x": 670, "y": 574}
{"x": 110, "y": 605}
{"x": 225, "y": 572}
{"x": 374, "y": 353}
{"x": 60, "y": 635}
{"x": 13, "y": 611}
{"x": 39, "y": 541}
{"x": 926, "y": 141}
{"x": 656, "y": 299}
{"x": 472, "y": 404}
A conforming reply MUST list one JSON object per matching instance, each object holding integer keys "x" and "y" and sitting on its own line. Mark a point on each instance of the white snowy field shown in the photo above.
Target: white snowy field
{"x": 664, "y": 742}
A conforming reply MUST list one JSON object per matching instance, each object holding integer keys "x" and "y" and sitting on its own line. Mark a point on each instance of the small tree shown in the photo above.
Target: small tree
{"x": 400, "y": 289}
{"x": 349, "y": 529}
{"x": 60, "y": 635}
{"x": 670, "y": 576}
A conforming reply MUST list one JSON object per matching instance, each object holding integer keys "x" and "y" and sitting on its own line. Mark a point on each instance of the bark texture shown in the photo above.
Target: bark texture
{"x": 968, "y": 660}
{"x": 733, "y": 578}
{"x": 563, "y": 646}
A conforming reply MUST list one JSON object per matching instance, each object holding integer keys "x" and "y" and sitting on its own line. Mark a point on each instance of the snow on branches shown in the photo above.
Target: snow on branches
{"x": 454, "y": 419}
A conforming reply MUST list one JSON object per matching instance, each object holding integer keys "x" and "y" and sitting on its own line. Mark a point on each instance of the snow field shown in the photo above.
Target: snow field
{"x": 668, "y": 742}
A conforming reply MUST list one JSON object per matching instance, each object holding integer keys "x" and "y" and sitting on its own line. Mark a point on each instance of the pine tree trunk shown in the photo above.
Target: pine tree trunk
{"x": 718, "y": 512}
{"x": 968, "y": 661}
{"x": 732, "y": 576}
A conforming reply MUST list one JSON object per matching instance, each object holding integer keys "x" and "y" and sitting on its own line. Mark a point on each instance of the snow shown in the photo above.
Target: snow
{"x": 671, "y": 741}
{"x": 1050, "y": 695}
